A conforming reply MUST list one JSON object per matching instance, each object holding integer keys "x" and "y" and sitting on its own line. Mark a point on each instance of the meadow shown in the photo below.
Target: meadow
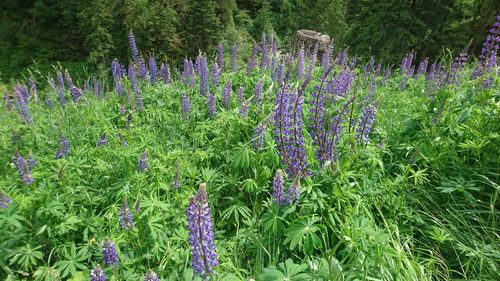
{"x": 288, "y": 166}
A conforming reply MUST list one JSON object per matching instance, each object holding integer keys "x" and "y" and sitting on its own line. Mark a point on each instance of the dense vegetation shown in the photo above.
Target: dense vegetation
{"x": 86, "y": 34}
{"x": 288, "y": 167}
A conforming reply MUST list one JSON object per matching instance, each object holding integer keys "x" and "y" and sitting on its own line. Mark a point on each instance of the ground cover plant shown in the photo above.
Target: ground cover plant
{"x": 292, "y": 166}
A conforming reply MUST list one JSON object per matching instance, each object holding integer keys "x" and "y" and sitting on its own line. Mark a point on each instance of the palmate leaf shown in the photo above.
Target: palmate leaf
{"x": 73, "y": 260}
{"x": 236, "y": 213}
{"x": 287, "y": 271}
{"x": 303, "y": 235}
{"x": 26, "y": 256}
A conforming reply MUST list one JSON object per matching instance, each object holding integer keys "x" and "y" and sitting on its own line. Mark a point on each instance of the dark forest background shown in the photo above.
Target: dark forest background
{"x": 84, "y": 34}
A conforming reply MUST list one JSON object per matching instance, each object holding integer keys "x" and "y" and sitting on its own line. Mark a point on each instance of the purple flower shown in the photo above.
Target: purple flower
{"x": 22, "y": 105}
{"x": 201, "y": 235}
{"x": 300, "y": 62}
{"x": 258, "y": 135}
{"x": 244, "y": 109}
{"x": 97, "y": 274}
{"x": 257, "y": 92}
{"x": 63, "y": 148}
{"x": 22, "y": 168}
{"x": 116, "y": 69}
{"x": 153, "y": 70}
{"x": 5, "y": 201}
{"x": 143, "y": 164}
{"x": 210, "y": 101}
{"x": 151, "y": 276}
{"x": 31, "y": 160}
{"x": 133, "y": 46}
{"x": 265, "y": 54}
{"x": 279, "y": 189}
{"x": 251, "y": 60}
{"x": 143, "y": 71}
{"x": 203, "y": 69}
{"x": 215, "y": 75}
{"x": 293, "y": 193}
{"x": 326, "y": 58}
{"x": 98, "y": 90}
{"x": 234, "y": 58}
{"x": 241, "y": 94}
{"x": 226, "y": 94}
{"x": 220, "y": 58}
{"x": 32, "y": 88}
{"x": 165, "y": 73}
{"x": 365, "y": 124}
{"x": 188, "y": 71}
{"x": 185, "y": 106}
{"x": 109, "y": 253}
{"x": 134, "y": 85}
{"x": 422, "y": 67}
{"x": 102, "y": 141}
{"x": 76, "y": 93}
{"x": 126, "y": 220}
{"x": 289, "y": 132}
{"x": 312, "y": 61}
{"x": 60, "y": 80}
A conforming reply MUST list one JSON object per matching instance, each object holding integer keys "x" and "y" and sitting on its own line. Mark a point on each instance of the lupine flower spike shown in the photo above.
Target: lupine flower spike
{"x": 126, "y": 220}
{"x": 151, "y": 276}
{"x": 109, "y": 253}
{"x": 143, "y": 164}
{"x": 5, "y": 201}
{"x": 97, "y": 274}
{"x": 201, "y": 235}
{"x": 279, "y": 189}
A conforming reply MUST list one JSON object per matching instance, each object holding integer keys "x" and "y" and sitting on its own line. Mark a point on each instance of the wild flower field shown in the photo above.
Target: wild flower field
{"x": 285, "y": 167}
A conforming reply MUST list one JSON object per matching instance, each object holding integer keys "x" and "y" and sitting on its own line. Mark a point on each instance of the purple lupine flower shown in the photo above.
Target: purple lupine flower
{"x": 119, "y": 87}
{"x": 264, "y": 59}
{"x": 176, "y": 182}
{"x": 201, "y": 235}
{"x": 133, "y": 46}
{"x": 151, "y": 276}
{"x": 257, "y": 92}
{"x": 126, "y": 220}
{"x": 153, "y": 70}
{"x": 5, "y": 201}
{"x": 342, "y": 58}
{"x": 86, "y": 86}
{"x": 318, "y": 132}
{"x": 234, "y": 58}
{"x": 251, "y": 60}
{"x": 300, "y": 62}
{"x": 326, "y": 58}
{"x": 63, "y": 148}
{"x": 226, "y": 94}
{"x": 272, "y": 45}
{"x": 22, "y": 168}
{"x": 203, "y": 69}
{"x": 210, "y": 101}
{"x": 22, "y": 105}
{"x": 165, "y": 73}
{"x": 102, "y": 141}
{"x": 97, "y": 274}
{"x": 60, "y": 80}
{"x": 49, "y": 102}
{"x": 289, "y": 131}
{"x": 365, "y": 124}
{"x": 31, "y": 160}
{"x": 215, "y": 75}
{"x": 279, "y": 189}
{"x": 143, "y": 164}
{"x": 293, "y": 193}
{"x": 185, "y": 106}
{"x": 258, "y": 135}
{"x": 134, "y": 85}
{"x": 490, "y": 45}
{"x": 61, "y": 96}
{"x": 244, "y": 109}
{"x": 116, "y": 69}
{"x": 32, "y": 89}
{"x": 220, "y": 58}
{"x": 241, "y": 94}
{"x": 188, "y": 71}
{"x": 98, "y": 90}
{"x": 76, "y": 93}
{"x": 422, "y": 67}
{"x": 109, "y": 253}
{"x": 342, "y": 83}
{"x": 142, "y": 69}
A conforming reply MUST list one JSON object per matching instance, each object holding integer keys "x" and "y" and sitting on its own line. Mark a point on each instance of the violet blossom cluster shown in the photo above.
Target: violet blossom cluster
{"x": 257, "y": 92}
{"x": 109, "y": 253}
{"x": 365, "y": 124}
{"x": 76, "y": 93}
{"x": 21, "y": 102}
{"x": 5, "y": 201}
{"x": 97, "y": 274}
{"x": 126, "y": 219}
{"x": 134, "y": 85}
{"x": 215, "y": 75}
{"x": 203, "y": 72}
{"x": 133, "y": 46}
{"x": 188, "y": 71}
{"x": 300, "y": 62}
{"x": 185, "y": 105}
{"x": 289, "y": 132}
{"x": 23, "y": 168}
{"x": 201, "y": 235}
{"x": 165, "y": 73}
{"x": 151, "y": 276}
{"x": 153, "y": 70}
{"x": 143, "y": 163}
{"x": 251, "y": 61}
{"x": 226, "y": 94}
{"x": 63, "y": 147}
{"x": 210, "y": 102}
{"x": 279, "y": 189}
